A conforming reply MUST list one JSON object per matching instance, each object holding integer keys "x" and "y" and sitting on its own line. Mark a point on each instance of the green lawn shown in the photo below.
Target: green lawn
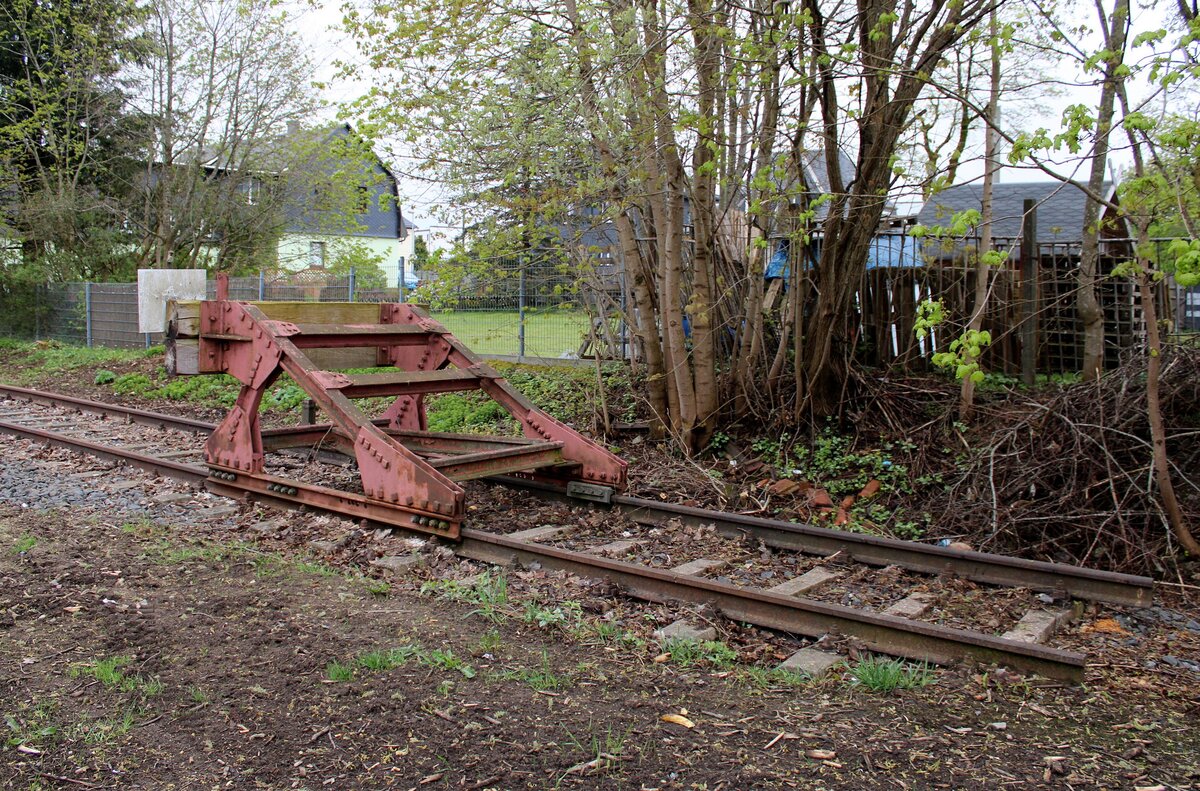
{"x": 549, "y": 333}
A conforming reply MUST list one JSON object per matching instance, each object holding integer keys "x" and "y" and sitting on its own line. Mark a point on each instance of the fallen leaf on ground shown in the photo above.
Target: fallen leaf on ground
{"x": 678, "y": 719}
{"x": 1105, "y": 626}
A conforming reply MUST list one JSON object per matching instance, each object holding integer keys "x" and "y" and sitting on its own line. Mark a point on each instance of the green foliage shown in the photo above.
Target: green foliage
{"x": 488, "y": 591}
{"x": 691, "y": 653}
{"x": 337, "y": 671}
{"x": 542, "y": 677}
{"x": 109, "y": 672}
{"x": 104, "y": 377}
{"x": 346, "y": 254}
{"x": 930, "y": 313}
{"x": 31, "y": 725}
{"x": 24, "y": 544}
{"x": 564, "y": 615}
{"x": 444, "y": 659}
{"x": 387, "y": 659}
{"x": 963, "y": 354}
{"x": 776, "y": 677}
{"x": 466, "y": 413}
{"x": 881, "y": 674}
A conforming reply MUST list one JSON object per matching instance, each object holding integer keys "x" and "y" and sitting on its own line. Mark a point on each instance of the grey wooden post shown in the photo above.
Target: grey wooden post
{"x": 1029, "y": 293}
{"x": 351, "y": 284}
{"x": 400, "y": 278}
{"x": 262, "y": 285}
{"x": 521, "y": 308}
{"x": 87, "y": 309}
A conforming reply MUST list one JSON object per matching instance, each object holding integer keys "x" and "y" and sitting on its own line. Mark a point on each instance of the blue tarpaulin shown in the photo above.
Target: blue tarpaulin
{"x": 890, "y": 251}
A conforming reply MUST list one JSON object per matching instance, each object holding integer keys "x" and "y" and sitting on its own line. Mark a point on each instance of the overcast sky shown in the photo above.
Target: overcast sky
{"x": 318, "y": 22}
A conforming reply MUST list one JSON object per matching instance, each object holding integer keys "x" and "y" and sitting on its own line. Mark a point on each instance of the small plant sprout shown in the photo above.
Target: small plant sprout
{"x": 883, "y": 674}
{"x": 336, "y": 671}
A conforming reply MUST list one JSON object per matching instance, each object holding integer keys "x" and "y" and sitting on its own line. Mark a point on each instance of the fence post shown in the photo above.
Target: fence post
{"x": 87, "y": 311}
{"x": 626, "y": 352}
{"x": 400, "y": 278}
{"x": 521, "y": 309}
{"x": 262, "y": 285}
{"x": 351, "y": 284}
{"x": 1029, "y": 293}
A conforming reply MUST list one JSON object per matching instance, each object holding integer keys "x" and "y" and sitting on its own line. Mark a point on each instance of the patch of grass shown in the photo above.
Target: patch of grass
{"x": 378, "y": 588}
{"x": 336, "y": 671}
{"x": 692, "y": 653}
{"x": 197, "y": 695}
{"x": 605, "y": 748}
{"x": 25, "y": 543}
{"x": 775, "y": 677}
{"x": 49, "y": 357}
{"x": 317, "y": 568}
{"x": 540, "y": 678}
{"x": 883, "y": 674}
{"x": 488, "y": 643}
{"x": 109, "y": 672}
{"x": 548, "y": 333}
{"x": 104, "y": 377}
{"x": 488, "y": 591}
{"x": 31, "y": 725}
{"x": 607, "y": 633}
{"x": 110, "y": 730}
{"x": 387, "y": 659}
{"x": 266, "y": 565}
{"x": 444, "y": 659}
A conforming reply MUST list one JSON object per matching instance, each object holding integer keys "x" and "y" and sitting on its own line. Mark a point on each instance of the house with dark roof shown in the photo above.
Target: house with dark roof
{"x": 313, "y": 235}
{"x": 1059, "y": 214}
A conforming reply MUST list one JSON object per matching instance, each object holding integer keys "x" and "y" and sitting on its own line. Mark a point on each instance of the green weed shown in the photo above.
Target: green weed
{"x": 540, "y": 678}
{"x": 488, "y": 643}
{"x": 774, "y": 677}
{"x": 691, "y": 653}
{"x": 31, "y": 725}
{"x": 24, "y": 544}
{"x": 108, "y": 671}
{"x": 882, "y": 674}
{"x": 336, "y": 671}
{"x": 444, "y": 659}
{"x": 317, "y": 568}
{"x": 378, "y": 588}
{"x": 387, "y": 659}
{"x": 110, "y": 730}
{"x": 489, "y": 592}
{"x": 564, "y": 615}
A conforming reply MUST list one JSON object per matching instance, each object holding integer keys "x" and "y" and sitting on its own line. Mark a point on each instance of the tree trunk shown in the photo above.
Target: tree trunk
{"x": 1091, "y": 315}
{"x": 966, "y": 401}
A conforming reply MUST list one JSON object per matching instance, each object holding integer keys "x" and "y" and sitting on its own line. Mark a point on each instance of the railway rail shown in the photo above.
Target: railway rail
{"x": 785, "y": 608}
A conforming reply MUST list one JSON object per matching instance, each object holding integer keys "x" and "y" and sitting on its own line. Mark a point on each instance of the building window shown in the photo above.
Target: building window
{"x": 316, "y": 255}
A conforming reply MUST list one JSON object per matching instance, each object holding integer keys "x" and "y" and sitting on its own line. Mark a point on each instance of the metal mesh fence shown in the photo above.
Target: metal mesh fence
{"x": 485, "y": 312}
{"x": 559, "y": 307}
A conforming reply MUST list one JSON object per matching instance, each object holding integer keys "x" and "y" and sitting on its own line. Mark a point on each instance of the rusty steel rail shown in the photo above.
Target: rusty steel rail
{"x": 1076, "y": 581}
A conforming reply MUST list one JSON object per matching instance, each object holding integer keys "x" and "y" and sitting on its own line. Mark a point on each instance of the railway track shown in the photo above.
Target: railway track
{"x": 897, "y": 621}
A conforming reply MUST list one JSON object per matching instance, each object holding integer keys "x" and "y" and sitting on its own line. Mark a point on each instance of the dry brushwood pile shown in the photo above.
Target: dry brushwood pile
{"x": 1069, "y": 477}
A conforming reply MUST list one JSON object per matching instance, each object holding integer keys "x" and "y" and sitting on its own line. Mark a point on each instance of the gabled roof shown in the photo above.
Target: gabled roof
{"x": 383, "y": 217}
{"x": 1059, "y": 209}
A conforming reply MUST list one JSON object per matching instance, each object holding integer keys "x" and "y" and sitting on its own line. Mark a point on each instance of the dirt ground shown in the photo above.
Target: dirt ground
{"x": 155, "y": 657}
{"x": 181, "y": 654}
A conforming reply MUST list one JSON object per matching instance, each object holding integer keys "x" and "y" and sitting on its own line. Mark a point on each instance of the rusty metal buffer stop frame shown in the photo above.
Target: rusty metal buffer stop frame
{"x": 410, "y": 476}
